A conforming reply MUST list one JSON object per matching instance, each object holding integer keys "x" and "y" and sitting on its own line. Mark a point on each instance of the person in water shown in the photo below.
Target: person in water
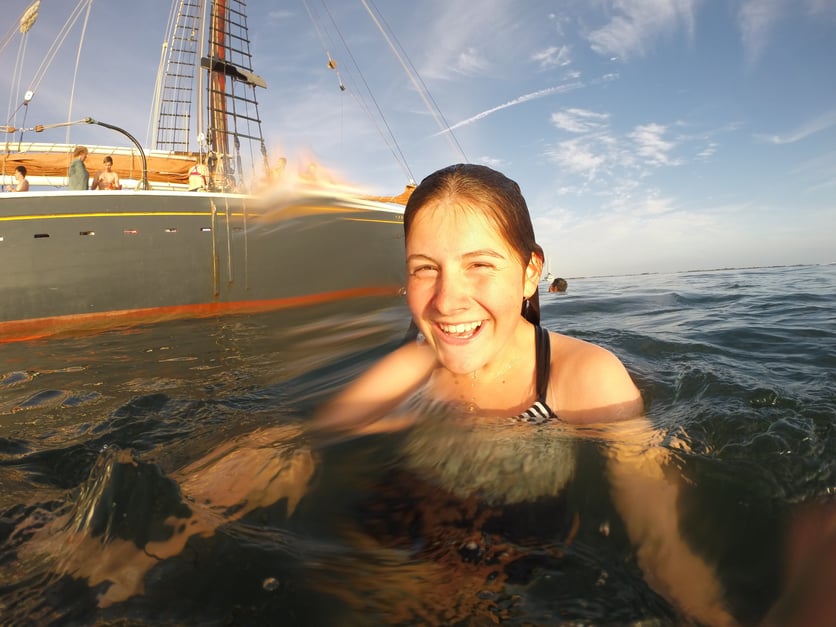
{"x": 473, "y": 268}
{"x": 78, "y": 177}
{"x": 107, "y": 178}
{"x": 481, "y": 359}
{"x": 558, "y": 285}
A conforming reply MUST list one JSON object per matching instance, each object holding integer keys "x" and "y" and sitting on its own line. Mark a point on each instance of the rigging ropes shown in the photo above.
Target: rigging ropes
{"x": 151, "y": 128}
{"x": 27, "y": 20}
{"x": 410, "y": 70}
{"x": 24, "y": 25}
{"x": 58, "y": 42}
{"x": 78, "y": 59}
{"x": 11, "y": 113}
{"x": 387, "y": 136}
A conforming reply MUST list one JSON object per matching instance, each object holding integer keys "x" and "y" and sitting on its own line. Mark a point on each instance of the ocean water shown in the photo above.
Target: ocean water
{"x": 114, "y": 447}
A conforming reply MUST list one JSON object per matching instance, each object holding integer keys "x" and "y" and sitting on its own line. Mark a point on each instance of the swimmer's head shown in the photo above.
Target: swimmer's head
{"x": 478, "y": 188}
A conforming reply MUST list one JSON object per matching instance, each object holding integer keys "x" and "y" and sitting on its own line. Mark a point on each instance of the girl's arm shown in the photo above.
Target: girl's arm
{"x": 362, "y": 407}
{"x": 593, "y": 390}
{"x": 645, "y": 489}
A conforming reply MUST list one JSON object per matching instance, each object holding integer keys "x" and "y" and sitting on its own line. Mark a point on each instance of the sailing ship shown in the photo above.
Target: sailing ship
{"x": 96, "y": 259}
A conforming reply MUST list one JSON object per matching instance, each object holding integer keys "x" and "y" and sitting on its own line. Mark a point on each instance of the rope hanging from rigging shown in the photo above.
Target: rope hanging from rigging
{"x": 414, "y": 77}
{"x": 388, "y": 136}
{"x": 332, "y": 65}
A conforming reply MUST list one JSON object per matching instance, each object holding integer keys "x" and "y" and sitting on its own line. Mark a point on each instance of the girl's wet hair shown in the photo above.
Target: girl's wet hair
{"x": 501, "y": 201}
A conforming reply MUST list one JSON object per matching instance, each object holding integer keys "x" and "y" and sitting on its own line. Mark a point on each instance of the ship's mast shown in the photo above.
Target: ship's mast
{"x": 207, "y": 52}
{"x": 218, "y": 132}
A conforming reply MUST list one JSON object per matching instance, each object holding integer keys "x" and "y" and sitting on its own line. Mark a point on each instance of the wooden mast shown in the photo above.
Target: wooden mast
{"x": 218, "y": 136}
{"x": 208, "y": 79}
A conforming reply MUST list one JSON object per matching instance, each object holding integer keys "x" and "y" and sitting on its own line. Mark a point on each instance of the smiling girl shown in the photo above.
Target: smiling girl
{"x": 492, "y": 470}
{"x": 473, "y": 267}
{"x": 480, "y": 364}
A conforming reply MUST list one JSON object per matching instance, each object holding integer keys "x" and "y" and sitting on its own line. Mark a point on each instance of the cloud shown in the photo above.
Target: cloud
{"x": 655, "y": 234}
{"x": 578, "y": 156}
{"x": 651, "y": 145}
{"x": 646, "y": 229}
{"x": 561, "y": 22}
{"x": 610, "y": 166}
{"x": 589, "y": 154}
{"x": 709, "y": 151}
{"x": 457, "y": 34}
{"x": 637, "y": 241}
{"x": 758, "y": 18}
{"x": 279, "y": 15}
{"x": 579, "y": 120}
{"x": 635, "y": 25}
{"x": 553, "y": 57}
{"x": 470, "y": 62}
{"x": 493, "y": 162}
{"x": 816, "y": 125}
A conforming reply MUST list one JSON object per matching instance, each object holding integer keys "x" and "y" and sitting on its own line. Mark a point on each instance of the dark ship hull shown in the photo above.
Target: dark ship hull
{"x": 95, "y": 260}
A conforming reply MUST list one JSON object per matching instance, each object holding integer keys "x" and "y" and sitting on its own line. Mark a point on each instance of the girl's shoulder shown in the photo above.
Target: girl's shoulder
{"x": 571, "y": 351}
{"x": 588, "y": 383}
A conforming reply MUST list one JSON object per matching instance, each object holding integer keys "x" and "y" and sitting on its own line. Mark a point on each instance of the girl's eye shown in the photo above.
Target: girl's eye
{"x": 481, "y": 265}
{"x": 423, "y": 272}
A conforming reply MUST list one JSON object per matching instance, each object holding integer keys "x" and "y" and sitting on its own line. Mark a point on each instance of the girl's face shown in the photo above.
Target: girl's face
{"x": 465, "y": 286}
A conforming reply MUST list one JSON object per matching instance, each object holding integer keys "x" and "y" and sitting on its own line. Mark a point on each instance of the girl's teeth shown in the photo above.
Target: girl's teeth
{"x": 460, "y": 328}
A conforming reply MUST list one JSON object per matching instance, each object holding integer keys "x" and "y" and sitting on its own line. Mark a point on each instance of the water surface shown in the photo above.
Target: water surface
{"x": 104, "y": 442}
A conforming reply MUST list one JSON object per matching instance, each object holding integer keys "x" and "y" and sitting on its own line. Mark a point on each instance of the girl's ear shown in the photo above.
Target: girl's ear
{"x": 533, "y": 272}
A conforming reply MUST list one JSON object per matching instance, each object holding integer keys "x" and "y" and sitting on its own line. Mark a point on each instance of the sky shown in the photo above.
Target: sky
{"x": 646, "y": 135}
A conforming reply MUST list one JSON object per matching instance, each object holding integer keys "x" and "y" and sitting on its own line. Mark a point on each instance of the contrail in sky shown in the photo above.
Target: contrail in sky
{"x": 525, "y": 98}
{"x": 821, "y": 123}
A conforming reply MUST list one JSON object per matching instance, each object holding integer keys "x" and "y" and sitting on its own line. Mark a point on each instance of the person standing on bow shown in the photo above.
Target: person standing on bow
{"x": 78, "y": 178}
{"x": 107, "y": 178}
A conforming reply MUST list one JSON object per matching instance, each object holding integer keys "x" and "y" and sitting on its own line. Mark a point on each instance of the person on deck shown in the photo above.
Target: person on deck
{"x": 22, "y": 184}
{"x": 78, "y": 178}
{"x": 199, "y": 176}
{"x": 107, "y": 178}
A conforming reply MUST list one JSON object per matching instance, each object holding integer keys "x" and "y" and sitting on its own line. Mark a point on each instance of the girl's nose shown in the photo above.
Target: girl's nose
{"x": 451, "y": 293}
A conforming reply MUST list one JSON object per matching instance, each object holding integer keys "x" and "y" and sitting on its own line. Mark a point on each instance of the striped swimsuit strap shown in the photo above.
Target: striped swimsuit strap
{"x": 538, "y": 413}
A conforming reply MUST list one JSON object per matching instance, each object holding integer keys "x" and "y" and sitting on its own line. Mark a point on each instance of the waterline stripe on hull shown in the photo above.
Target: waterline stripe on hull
{"x": 134, "y": 214}
{"x": 375, "y": 220}
{"x": 38, "y": 328}
{"x": 127, "y": 214}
